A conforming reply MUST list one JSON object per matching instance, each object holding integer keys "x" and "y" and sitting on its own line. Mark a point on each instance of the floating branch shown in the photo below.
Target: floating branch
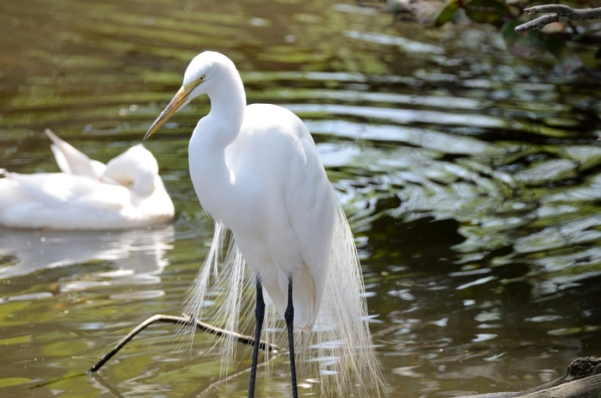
{"x": 560, "y": 12}
{"x": 182, "y": 320}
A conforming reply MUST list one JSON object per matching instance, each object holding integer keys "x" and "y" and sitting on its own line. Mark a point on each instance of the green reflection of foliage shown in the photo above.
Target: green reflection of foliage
{"x": 13, "y": 381}
{"x": 64, "y": 347}
{"x": 9, "y": 310}
{"x": 16, "y": 340}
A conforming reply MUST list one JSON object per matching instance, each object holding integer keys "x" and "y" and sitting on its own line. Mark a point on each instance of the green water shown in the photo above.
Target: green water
{"x": 472, "y": 182}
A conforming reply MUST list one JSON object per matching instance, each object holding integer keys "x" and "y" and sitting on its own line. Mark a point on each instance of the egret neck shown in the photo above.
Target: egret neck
{"x": 212, "y": 135}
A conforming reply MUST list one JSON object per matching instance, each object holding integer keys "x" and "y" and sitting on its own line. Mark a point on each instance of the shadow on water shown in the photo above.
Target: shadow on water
{"x": 471, "y": 180}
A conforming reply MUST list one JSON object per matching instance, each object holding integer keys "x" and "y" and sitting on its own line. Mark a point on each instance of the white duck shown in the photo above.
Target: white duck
{"x": 127, "y": 192}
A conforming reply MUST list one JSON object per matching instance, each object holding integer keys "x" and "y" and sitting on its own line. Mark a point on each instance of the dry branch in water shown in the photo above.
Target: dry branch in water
{"x": 181, "y": 320}
{"x": 560, "y": 12}
{"x": 582, "y": 378}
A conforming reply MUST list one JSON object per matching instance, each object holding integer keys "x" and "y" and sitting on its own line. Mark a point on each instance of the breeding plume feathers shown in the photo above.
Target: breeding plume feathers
{"x": 338, "y": 350}
{"x": 256, "y": 170}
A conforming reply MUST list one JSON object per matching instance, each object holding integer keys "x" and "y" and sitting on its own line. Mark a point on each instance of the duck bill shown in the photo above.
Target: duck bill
{"x": 179, "y": 101}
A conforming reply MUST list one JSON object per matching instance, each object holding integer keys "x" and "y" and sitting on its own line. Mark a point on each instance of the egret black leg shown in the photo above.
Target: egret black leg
{"x": 289, "y": 317}
{"x": 259, "y": 315}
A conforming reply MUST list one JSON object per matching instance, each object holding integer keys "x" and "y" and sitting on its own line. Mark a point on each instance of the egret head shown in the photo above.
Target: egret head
{"x": 201, "y": 77}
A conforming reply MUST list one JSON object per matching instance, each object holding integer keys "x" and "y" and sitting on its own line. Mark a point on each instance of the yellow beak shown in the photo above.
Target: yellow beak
{"x": 176, "y": 103}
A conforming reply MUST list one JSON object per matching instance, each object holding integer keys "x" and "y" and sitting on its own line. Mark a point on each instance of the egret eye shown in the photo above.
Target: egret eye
{"x": 199, "y": 81}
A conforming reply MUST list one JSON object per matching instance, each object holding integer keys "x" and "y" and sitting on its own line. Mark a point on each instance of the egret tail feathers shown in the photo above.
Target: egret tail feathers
{"x": 338, "y": 350}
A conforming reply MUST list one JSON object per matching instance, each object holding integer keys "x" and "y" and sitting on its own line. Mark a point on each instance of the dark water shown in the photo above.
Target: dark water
{"x": 472, "y": 182}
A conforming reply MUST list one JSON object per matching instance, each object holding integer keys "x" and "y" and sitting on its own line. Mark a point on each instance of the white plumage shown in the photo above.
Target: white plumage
{"x": 125, "y": 193}
{"x": 270, "y": 189}
{"x": 256, "y": 171}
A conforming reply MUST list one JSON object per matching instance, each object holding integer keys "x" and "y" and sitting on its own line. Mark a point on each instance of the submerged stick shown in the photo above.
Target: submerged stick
{"x": 182, "y": 320}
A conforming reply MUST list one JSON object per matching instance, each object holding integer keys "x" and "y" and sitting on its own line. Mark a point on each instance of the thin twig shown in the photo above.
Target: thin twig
{"x": 560, "y": 12}
{"x": 181, "y": 320}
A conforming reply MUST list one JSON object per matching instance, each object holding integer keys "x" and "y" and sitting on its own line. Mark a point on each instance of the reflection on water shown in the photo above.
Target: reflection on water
{"x": 139, "y": 251}
{"x": 471, "y": 181}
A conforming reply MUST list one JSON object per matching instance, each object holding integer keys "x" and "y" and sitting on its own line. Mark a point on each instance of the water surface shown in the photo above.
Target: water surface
{"x": 471, "y": 179}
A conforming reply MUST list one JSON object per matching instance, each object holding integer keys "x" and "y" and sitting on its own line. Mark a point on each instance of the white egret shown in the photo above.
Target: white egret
{"x": 125, "y": 193}
{"x": 256, "y": 171}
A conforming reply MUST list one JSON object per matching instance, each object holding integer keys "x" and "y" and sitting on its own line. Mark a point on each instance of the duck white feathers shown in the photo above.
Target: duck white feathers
{"x": 127, "y": 192}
